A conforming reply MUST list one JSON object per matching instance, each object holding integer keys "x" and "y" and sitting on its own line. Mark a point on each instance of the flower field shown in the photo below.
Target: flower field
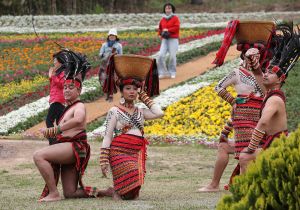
{"x": 193, "y": 112}
{"x": 28, "y": 88}
{"x": 102, "y": 22}
{"x": 25, "y": 59}
{"x": 203, "y": 112}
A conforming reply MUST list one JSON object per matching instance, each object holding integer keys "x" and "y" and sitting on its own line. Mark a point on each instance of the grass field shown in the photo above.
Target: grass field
{"x": 174, "y": 173}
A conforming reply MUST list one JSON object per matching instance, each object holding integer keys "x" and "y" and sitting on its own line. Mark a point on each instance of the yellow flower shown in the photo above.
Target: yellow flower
{"x": 200, "y": 113}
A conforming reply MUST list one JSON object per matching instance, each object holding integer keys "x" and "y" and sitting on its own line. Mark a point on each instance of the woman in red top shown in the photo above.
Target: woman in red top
{"x": 57, "y": 100}
{"x": 169, "y": 32}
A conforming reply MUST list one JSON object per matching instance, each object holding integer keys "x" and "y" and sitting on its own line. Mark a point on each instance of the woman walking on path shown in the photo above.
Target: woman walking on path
{"x": 111, "y": 46}
{"x": 168, "y": 30}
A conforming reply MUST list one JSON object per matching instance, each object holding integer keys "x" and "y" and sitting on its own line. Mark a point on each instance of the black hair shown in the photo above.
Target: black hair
{"x": 171, "y": 5}
{"x": 117, "y": 39}
{"x": 136, "y": 82}
{"x": 78, "y": 80}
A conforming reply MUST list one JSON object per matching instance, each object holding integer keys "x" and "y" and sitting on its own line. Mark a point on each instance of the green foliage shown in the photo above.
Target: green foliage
{"x": 98, "y": 9}
{"x": 95, "y": 124}
{"x": 272, "y": 181}
{"x": 292, "y": 91}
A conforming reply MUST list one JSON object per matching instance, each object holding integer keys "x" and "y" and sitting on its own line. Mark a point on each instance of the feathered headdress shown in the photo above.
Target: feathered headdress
{"x": 73, "y": 64}
{"x": 287, "y": 49}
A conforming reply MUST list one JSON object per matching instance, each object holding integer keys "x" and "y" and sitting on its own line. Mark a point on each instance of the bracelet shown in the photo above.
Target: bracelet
{"x": 104, "y": 156}
{"x": 256, "y": 138}
{"x": 59, "y": 131}
{"x": 223, "y": 93}
{"x": 146, "y": 99}
{"x": 52, "y": 132}
{"x": 225, "y": 132}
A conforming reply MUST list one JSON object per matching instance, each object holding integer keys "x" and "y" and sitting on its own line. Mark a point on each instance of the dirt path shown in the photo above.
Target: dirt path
{"x": 15, "y": 152}
{"x": 185, "y": 71}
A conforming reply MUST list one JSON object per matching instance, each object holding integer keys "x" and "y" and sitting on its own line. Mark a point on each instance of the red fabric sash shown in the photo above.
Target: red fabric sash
{"x": 127, "y": 160}
{"x": 269, "y": 139}
{"x": 79, "y": 146}
{"x": 228, "y": 37}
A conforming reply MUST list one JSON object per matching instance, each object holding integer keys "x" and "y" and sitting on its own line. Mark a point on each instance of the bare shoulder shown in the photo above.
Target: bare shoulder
{"x": 275, "y": 100}
{"x": 80, "y": 105}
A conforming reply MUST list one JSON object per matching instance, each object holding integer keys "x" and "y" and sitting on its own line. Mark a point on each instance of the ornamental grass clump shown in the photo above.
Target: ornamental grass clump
{"x": 272, "y": 181}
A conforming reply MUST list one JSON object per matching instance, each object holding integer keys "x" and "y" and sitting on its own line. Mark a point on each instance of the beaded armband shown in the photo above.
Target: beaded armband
{"x": 52, "y": 132}
{"x": 225, "y": 132}
{"x": 223, "y": 93}
{"x": 145, "y": 99}
{"x": 104, "y": 156}
{"x": 256, "y": 138}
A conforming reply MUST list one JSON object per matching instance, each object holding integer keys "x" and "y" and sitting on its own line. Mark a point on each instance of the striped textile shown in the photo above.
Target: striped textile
{"x": 245, "y": 117}
{"x": 127, "y": 161}
{"x": 81, "y": 151}
{"x": 269, "y": 139}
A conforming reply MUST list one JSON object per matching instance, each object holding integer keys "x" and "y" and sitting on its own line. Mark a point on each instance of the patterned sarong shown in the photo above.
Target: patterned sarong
{"x": 127, "y": 160}
{"x": 269, "y": 139}
{"x": 245, "y": 117}
{"x": 81, "y": 151}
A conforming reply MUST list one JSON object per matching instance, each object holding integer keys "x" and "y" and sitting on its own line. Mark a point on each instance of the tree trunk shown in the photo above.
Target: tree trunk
{"x": 74, "y": 7}
{"x": 53, "y": 7}
{"x": 112, "y": 6}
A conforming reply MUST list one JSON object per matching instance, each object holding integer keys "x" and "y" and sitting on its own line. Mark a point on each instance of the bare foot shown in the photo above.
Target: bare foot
{"x": 208, "y": 188}
{"x": 51, "y": 197}
{"x": 108, "y": 192}
{"x": 116, "y": 196}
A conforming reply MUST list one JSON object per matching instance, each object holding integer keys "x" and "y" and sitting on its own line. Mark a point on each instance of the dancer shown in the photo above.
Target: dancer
{"x": 124, "y": 145}
{"x": 71, "y": 152}
{"x": 246, "y": 106}
{"x": 273, "y": 119}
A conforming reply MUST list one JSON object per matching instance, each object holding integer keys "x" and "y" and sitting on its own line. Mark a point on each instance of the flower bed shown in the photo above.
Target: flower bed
{"x": 206, "y": 38}
{"x": 24, "y": 115}
{"x": 102, "y": 22}
{"x": 201, "y": 114}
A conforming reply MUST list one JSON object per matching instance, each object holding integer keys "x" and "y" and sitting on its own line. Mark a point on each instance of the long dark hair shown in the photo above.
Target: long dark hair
{"x": 169, "y": 4}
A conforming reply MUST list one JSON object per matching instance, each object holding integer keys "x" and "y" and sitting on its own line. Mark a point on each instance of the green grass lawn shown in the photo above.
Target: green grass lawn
{"x": 174, "y": 173}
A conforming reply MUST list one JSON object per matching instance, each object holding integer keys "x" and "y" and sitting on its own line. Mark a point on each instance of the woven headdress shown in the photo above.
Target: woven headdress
{"x": 131, "y": 69}
{"x": 248, "y": 34}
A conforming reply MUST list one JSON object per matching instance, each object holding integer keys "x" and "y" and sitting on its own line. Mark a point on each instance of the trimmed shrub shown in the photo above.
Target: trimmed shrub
{"x": 272, "y": 181}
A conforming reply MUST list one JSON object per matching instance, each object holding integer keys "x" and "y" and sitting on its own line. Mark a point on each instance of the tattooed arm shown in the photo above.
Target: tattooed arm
{"x": 111, "y": 122}
{"x": 230, "y": 79}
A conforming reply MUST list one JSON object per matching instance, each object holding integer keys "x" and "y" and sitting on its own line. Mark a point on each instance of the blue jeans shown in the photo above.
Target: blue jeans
{"x": 170, "y": 46}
